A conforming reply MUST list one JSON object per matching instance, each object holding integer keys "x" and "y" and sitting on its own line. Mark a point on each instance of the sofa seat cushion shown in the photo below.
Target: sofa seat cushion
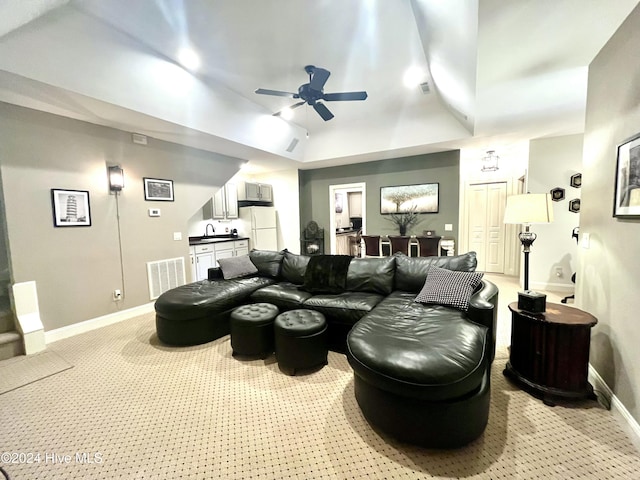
{"x": 428, "y": 352}
{"x": 204, "y": 298}
{"x": 285, "y": 295}
{"x": 346, "y": 307}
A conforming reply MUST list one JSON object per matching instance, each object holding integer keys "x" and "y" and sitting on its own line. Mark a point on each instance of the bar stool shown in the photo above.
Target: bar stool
{"x": 371, "y": 245}
{"x": 355, "y": 244}
{"x": 428, "y": 246}
{"x": 399, "y": 244}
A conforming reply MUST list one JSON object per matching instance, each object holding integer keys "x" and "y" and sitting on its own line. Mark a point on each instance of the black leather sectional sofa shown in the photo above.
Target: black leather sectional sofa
{"x": 421, "y": 371}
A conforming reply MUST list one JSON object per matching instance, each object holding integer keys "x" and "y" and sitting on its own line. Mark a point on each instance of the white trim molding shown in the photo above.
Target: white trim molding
{"x": 616, "y": 406}
{"x": 95, "y": 323}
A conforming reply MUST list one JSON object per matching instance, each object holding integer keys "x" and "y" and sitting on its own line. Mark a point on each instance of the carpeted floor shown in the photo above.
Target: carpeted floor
{"x": 19, "y": 371}
{"x": 132, "y": 408}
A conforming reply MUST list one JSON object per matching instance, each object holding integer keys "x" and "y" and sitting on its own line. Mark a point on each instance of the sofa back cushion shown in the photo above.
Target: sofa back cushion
{"x": 294, "y": 267}
{"x": 267, "y": 262}
{"x": 374, "y": 275}
{"x": 411, "y": 272}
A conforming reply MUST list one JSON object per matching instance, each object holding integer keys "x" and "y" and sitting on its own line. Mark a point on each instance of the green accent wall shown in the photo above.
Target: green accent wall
{"x": 442, "y": 168}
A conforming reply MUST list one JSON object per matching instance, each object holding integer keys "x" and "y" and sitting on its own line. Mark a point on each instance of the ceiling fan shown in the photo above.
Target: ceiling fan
{"x": 313, "y": 91}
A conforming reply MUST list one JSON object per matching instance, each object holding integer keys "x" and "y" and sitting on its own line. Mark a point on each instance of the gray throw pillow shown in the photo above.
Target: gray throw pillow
{"x": 234, "y": 267}
{"x": 448, "y": 287}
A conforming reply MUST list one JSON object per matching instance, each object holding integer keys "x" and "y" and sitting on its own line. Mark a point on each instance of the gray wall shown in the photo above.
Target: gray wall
{"x": 552, "y": 161}
{"x": 608, "y": 271}
{"x": 77, "y": 269}
{"x": 443, "y": 168}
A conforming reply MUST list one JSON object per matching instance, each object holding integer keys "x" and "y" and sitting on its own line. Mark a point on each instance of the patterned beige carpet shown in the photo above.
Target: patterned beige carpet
{"x": 134, "y": 409}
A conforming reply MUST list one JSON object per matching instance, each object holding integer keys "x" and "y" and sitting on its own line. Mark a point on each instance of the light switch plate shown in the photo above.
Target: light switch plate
{"x": 154, "y": 212}
{"x": 448, "y": 227}
{"x": 177, "y": 235}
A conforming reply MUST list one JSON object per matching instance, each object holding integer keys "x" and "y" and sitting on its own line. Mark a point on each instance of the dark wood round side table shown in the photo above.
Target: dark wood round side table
{"x": 549, "y": 354}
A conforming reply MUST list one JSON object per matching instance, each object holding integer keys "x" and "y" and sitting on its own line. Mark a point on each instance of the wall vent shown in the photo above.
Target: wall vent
{"x": 292, "y": 145}
{"x": 164, "y": 275}
{"x": 139, "y": 138}
{"x": 425, "y": 87}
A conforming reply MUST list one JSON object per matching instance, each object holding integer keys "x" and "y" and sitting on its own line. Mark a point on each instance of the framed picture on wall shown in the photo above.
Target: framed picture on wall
{"x": 421, "y": 198}
{"x": 627, "y": 188}
{"x": 157, "y": 189}
{"x": 70, "y": 208}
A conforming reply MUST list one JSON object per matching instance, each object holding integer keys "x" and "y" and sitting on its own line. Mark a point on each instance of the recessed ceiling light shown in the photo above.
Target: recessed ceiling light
{"x": 189, "y": 59}
{"x": 413, "y": 77}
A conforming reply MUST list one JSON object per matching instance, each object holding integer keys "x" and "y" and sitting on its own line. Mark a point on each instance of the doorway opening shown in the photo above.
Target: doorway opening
{"x": 347, "y": 214}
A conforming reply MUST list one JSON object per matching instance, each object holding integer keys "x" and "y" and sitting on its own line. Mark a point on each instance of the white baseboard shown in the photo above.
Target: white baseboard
{"x": 98, "y": 322}
{"x": 552, "y": 287}
{"x": 617, "y": 408}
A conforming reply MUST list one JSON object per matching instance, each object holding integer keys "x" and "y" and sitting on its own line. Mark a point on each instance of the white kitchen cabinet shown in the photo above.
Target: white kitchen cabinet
{"x": 204, "y": 257}
{"x": 204, "y": 260}
{"x": 223, "y": 205}
{"x": 252, "y": 191}
{"x": 231, "y": 249}
{"x": 241, "y": 247}
{"x": 355, "y": 204}
{"x": 223, "y": 250}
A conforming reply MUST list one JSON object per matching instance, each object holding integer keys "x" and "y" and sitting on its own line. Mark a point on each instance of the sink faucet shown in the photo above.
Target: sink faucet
{"x": 206, "y": 230}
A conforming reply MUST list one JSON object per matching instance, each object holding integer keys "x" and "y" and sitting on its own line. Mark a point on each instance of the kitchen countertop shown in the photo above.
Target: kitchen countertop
{"x": 345, "y": 230}
{"x": 214, "y": 239}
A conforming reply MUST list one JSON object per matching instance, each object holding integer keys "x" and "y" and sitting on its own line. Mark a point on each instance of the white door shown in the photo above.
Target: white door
{"x": 265, "y": 239}
{"x": 485, "y": 225}
{"x": 496, "y": 200}
{"x": 264, "y": 217}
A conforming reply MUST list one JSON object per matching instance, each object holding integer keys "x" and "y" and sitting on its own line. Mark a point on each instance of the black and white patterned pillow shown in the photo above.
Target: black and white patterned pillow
{"x": 447, "y": 287}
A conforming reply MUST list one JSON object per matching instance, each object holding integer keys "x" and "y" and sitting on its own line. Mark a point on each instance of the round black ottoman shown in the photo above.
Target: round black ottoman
{"x": 301, "y": 340}
{"x": 252, "y": 329}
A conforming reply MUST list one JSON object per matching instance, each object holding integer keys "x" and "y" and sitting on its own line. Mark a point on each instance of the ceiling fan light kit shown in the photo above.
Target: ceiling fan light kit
{"x": 311, "y": 93}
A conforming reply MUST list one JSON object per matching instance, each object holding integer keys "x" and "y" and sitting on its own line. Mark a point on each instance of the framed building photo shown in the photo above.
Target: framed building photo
{"x": 421, "y": 198}
{"x": 158, "y": 189}
{"x": 70, "y": 208}
{"x": 627, "y": 188}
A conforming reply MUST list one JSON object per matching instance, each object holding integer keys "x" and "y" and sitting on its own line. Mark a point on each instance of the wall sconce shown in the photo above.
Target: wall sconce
{"x": 490, "y": 161}
{"x": 116, "y": 178}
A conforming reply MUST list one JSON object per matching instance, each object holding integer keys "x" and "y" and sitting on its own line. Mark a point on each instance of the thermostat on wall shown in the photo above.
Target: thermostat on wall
{"x": 154, "y": 212}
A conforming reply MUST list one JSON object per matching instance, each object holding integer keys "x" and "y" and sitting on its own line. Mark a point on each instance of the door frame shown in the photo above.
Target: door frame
{"x": 511, "y": 242}
{"x": 351, "y": 187}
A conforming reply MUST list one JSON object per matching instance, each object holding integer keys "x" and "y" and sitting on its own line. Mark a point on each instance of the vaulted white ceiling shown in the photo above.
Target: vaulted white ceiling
{"x": 497, "y": 71}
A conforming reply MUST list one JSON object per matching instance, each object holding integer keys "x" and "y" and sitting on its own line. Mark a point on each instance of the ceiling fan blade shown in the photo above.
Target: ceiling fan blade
{"x": 335, "y": 97}
{"x": 295, "y": 105}
{"x": 277, "y": 93}
{"x": 323, "y": 111}
{"x": 319, "y": 78}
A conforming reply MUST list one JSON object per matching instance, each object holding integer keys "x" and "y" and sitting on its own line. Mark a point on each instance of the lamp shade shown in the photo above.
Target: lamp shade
{"x": 529, "y": 208}
{"x": 116, "y": 178}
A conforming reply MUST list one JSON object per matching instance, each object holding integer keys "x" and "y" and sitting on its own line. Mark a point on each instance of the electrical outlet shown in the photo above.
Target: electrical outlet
{"x": 559, "y": 272}
{"x": 117, "y": 295}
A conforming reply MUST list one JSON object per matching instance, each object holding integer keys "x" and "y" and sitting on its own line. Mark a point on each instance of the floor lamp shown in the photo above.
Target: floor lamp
{"x": 527, "y": 209}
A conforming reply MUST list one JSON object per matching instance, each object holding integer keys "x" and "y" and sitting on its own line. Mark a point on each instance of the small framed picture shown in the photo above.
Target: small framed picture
{"x": 627, "y": 188}
{"x": 70, "y": 208}
{"x": 156, "y": 189}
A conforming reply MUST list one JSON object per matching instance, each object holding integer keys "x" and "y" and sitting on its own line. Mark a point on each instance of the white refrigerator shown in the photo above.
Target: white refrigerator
{"x": 259, "y": 224}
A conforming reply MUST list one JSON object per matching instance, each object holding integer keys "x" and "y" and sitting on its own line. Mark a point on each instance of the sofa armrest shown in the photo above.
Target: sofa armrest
{"x": 483, "y": 309}
{"x": 214, "y": 273}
